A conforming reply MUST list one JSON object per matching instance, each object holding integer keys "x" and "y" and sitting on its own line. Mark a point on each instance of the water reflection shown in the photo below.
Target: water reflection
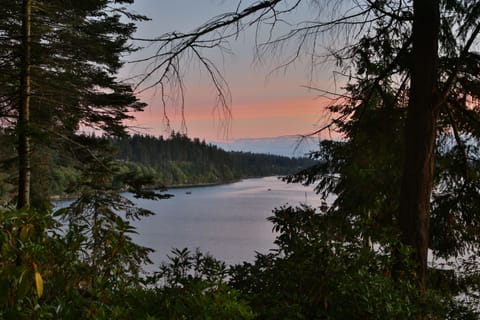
{"x": 228, "y": 221}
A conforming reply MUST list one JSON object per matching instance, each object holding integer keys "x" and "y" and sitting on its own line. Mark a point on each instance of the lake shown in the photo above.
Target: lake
{"x": 228, "y": 221}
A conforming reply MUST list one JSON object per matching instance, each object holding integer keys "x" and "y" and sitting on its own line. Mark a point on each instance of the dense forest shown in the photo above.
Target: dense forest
{"x": 180, "y": 160}
{"x": 173, "y": 161}
{"x": 400, "y": 240}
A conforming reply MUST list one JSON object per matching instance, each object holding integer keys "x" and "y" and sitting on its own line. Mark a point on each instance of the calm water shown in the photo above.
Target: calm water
{"x": 228, "y": 221}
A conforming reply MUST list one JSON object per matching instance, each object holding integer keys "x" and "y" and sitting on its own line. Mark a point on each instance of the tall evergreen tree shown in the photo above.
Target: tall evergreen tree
{"x": 414, "y": 55}
{"x": 23, "y": 122}
{"x": 73, "y": 51}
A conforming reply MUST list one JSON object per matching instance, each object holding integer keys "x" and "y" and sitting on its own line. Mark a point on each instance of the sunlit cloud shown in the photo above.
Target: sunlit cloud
{"x": 270, "y": 118}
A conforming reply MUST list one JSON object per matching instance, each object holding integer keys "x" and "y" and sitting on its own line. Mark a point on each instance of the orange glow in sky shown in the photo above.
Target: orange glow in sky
{"x": 270, "y": 118}
{"x": 262, "y": 105}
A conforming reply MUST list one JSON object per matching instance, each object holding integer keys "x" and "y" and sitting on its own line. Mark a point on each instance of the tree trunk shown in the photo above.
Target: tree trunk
{"x": 23, "y": 124}
{"x": 414, "y": 216}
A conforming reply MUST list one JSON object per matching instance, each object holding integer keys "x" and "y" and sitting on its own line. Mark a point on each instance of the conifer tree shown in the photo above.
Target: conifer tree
{"x": 413, "y": 55}
{"x": 70, "y": 53}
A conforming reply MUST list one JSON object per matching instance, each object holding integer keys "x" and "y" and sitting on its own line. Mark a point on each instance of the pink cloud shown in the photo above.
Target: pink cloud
{"x": 269, "y": 118}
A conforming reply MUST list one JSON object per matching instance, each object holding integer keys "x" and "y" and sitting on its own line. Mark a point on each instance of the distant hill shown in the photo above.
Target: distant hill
{"x": 180, "y": 160}
{"x": 289, "y": 146}
{"x": 175, "y": 161}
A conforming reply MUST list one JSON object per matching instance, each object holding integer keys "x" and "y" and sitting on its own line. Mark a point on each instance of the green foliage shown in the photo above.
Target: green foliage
{"x": 63, "y": 179}
{"x": 81, "y": 261}
{"x": 180, "y": 160}
{"x": 339, "y": 263}
{"x": 142, "y": 162}
{"x": 76, "y": 49}
{"x": 314, "y": 276}
{"x": 363, "y": 173}
{"x": 7, "y": 164}
{"x": 75, "y": 262}
{"x": 27, "y": 251}
{"x": 91, "y": 270}
{"x": 190, "y": 286}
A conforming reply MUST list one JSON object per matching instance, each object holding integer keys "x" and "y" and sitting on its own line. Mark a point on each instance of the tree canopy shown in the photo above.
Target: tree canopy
{"x": 409, "y": 96}
{"x": 404, "y": 175}
{"x": 59, "y": 62}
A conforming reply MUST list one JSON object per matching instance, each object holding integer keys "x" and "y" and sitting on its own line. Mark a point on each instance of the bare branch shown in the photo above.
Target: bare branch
{"x": 453, "y": 76}
{"x": 404, "y": 16}
{"x": 165, "y": 65}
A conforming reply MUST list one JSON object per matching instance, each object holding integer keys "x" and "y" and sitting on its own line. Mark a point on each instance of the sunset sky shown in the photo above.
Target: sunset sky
{"x": 263, "y": 104}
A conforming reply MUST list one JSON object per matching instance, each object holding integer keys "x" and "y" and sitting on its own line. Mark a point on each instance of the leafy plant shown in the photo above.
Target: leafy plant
{"x": 188, "y": 286}
{"x": 312, "y": 275}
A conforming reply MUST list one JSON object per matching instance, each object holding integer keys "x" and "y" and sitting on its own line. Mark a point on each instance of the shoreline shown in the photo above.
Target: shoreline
{"x": 211, "y": 184}
{"x": 201, "y": 184}
{"x": 68, "y": 197}
{"x": 175, "y": 186}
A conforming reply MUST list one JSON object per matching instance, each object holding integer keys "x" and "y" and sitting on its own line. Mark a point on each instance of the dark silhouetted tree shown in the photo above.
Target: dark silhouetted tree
{"x": 63, "y": 57}
{"x": 414, "y": 55}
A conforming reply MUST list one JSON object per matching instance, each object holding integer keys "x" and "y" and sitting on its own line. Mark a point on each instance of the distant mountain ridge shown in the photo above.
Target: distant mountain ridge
{"x": 288, "y": 146}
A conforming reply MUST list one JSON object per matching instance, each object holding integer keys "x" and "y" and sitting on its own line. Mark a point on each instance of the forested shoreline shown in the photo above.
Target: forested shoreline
{"x": 178, "y": 161}
{"x": 406, "y": 85}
